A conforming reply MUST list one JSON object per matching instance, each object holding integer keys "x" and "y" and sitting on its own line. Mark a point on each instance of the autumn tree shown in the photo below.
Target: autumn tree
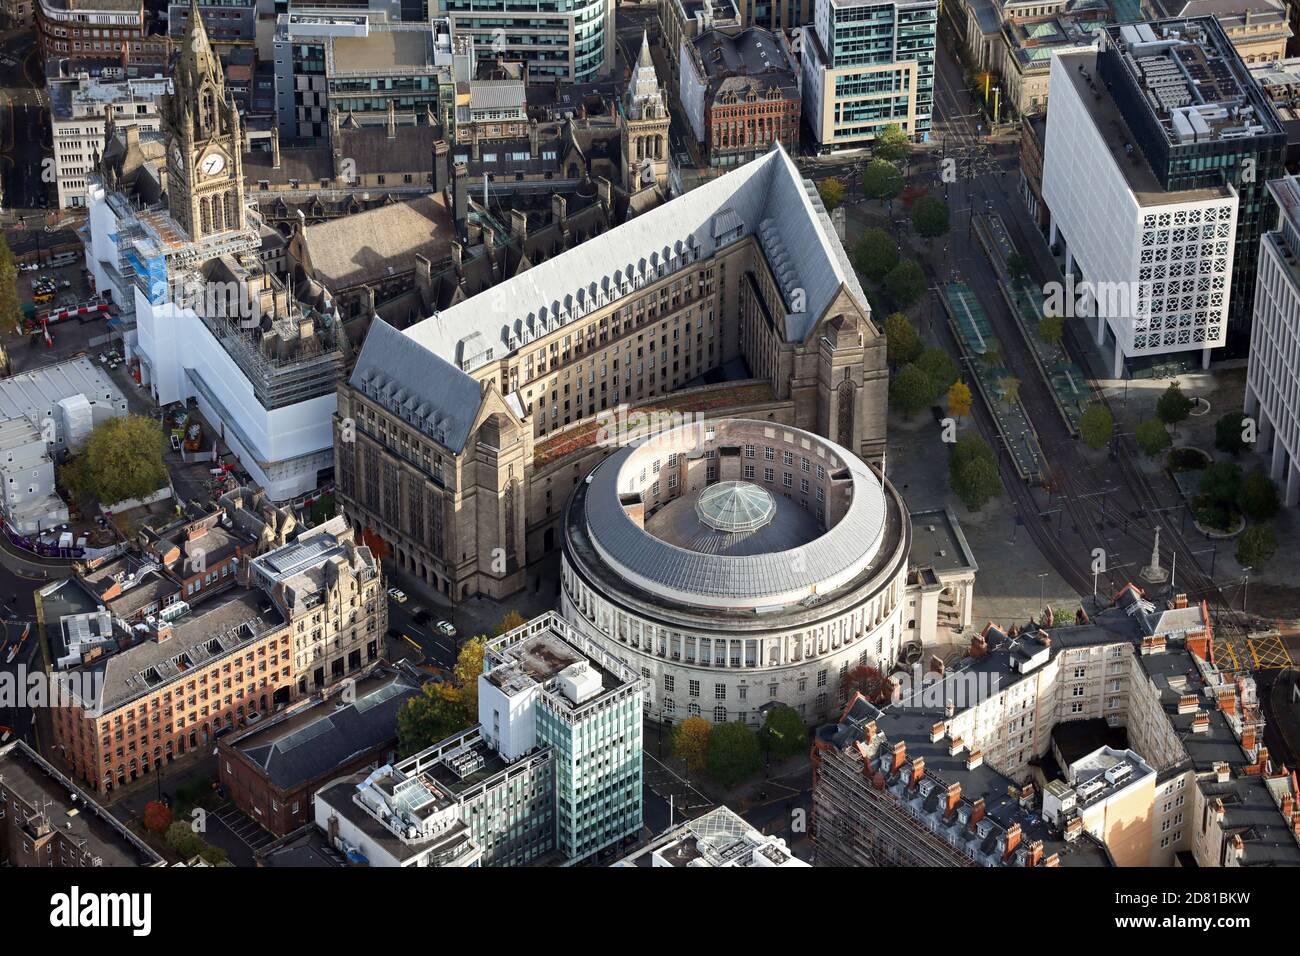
{"x": 832, "y": 193}
{"x": 157, "y": 816}
{"x": 868, "y": 682}
{"x": 959, "y": 400}
{"x": 691, "y": 742}
{"x": 469, "y": 665}
{"x": 512, "y": 620}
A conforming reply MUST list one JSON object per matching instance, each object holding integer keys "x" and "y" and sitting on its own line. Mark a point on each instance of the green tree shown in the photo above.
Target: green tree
{"x": 1173, "y": 406}
{"x": 940, "y": 368}
{"x": 783, "y": 733}
{"x": 1152, "y": 436}
{"x": 1096, "y": 425}
{"x": 1229, "y": 433}
{"x": 1259, "y": 497}
{"x": 970, "y": 446}
{"x": 434, "y": 714}
{"x": 891, "y": 144}
{"x": 875, "y": 254}
{"x": 930, "y": 217}
{"x": 973, "y": 471}
{"x": 902, "y": 341}
{"x": 881, "y": 180}
{"x": 11, "y": 309}
{"x": 911, "y": 390}
{"x": 691, "y": 742}
{"x": 1017, "y": 265}
{"x": 183, "y": 840}
{"x": 123, "y": 460}
{"x": 832, "y": 193}
{"x": 1256, "y": 546}
{"x": 1051, "y": 329}
{"x": 1221, "y": 483}
{"x": 905, "y": 283}
{"x": 733, "y": 754}
{"x": 976, "y": 482}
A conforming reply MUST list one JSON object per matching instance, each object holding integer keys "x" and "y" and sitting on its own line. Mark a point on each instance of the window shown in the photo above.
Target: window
{"x": 695, "y": 688}
{"x": 719, "y": 691}
{"x": 670, "y": 683}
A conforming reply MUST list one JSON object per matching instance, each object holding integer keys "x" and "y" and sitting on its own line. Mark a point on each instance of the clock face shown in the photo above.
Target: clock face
{"x": 213, "y": 164}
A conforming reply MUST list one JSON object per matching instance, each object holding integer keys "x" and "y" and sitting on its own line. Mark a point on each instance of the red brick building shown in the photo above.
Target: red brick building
{"x": 47, "y": 821}
{"x": 741, "y": 95}
{"x": 175, "y": 688}
{"x": 100, "y": 33}
{"x": 271, "y": 771}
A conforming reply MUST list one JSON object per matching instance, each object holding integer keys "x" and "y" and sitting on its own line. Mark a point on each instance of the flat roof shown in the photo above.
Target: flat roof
{"x": 939, "y": 542}
{"x": 1119, "y": 139}
{"x": 385, "y": 49}
{"x": 80, "y": 819}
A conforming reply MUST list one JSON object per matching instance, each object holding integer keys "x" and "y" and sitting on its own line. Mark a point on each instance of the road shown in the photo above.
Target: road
{"x": 1096, "y": 505}
{"x": 24, "y": 124}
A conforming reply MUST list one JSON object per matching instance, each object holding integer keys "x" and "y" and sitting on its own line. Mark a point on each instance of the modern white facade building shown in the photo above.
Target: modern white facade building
{"x": 1152, "y": 267}
{"x": 79, "y": 105}
{"x": 170, "y": 237}
{"x": 1273, "y": 372}
{"x": 45, "y": 413}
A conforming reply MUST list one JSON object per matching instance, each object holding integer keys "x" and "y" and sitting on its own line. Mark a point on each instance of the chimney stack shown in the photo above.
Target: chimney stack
{"x": 899, "y": 756}
{"x": 460, "y": 186}
{"x": 1035, "y": 853}
{"x": 976, "y": 814}
{"x": 441, "y": 157}
{"x": 559, "y": 209}
{"x": 954, "y": 798}
{"x": 518, "y": 224}
{"x": 918, "y": 771}
{"x": 1013, "y": 841}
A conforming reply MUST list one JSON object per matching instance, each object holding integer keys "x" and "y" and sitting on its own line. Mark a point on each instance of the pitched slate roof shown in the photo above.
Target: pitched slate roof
{"x": 417, "y": 385}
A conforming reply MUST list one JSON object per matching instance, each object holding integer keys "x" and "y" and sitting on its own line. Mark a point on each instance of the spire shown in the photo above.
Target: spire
{"x": 644, "y": 58}
{"x": 196, "y": 60}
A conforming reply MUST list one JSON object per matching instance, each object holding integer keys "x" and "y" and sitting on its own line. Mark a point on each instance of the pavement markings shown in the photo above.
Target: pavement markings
{"x": 246, "y": 830}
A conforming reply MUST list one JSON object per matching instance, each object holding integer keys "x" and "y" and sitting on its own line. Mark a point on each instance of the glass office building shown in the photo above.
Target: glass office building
{"x": 570, "y": 40}
{"x": 867, "y": 65}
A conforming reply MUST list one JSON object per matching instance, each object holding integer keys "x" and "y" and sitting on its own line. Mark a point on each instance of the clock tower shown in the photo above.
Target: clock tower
{"x": 205, "y": 175}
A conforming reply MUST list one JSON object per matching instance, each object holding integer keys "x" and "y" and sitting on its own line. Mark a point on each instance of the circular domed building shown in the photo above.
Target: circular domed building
{"x": 738, "y": 565}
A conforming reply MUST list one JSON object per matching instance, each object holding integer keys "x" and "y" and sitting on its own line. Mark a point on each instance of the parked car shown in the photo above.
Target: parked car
{"x": 446, "y": 629}
{"x": 397, "y": 595}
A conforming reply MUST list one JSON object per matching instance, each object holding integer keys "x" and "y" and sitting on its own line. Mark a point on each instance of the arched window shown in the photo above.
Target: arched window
{"x": 844, "y": 427}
